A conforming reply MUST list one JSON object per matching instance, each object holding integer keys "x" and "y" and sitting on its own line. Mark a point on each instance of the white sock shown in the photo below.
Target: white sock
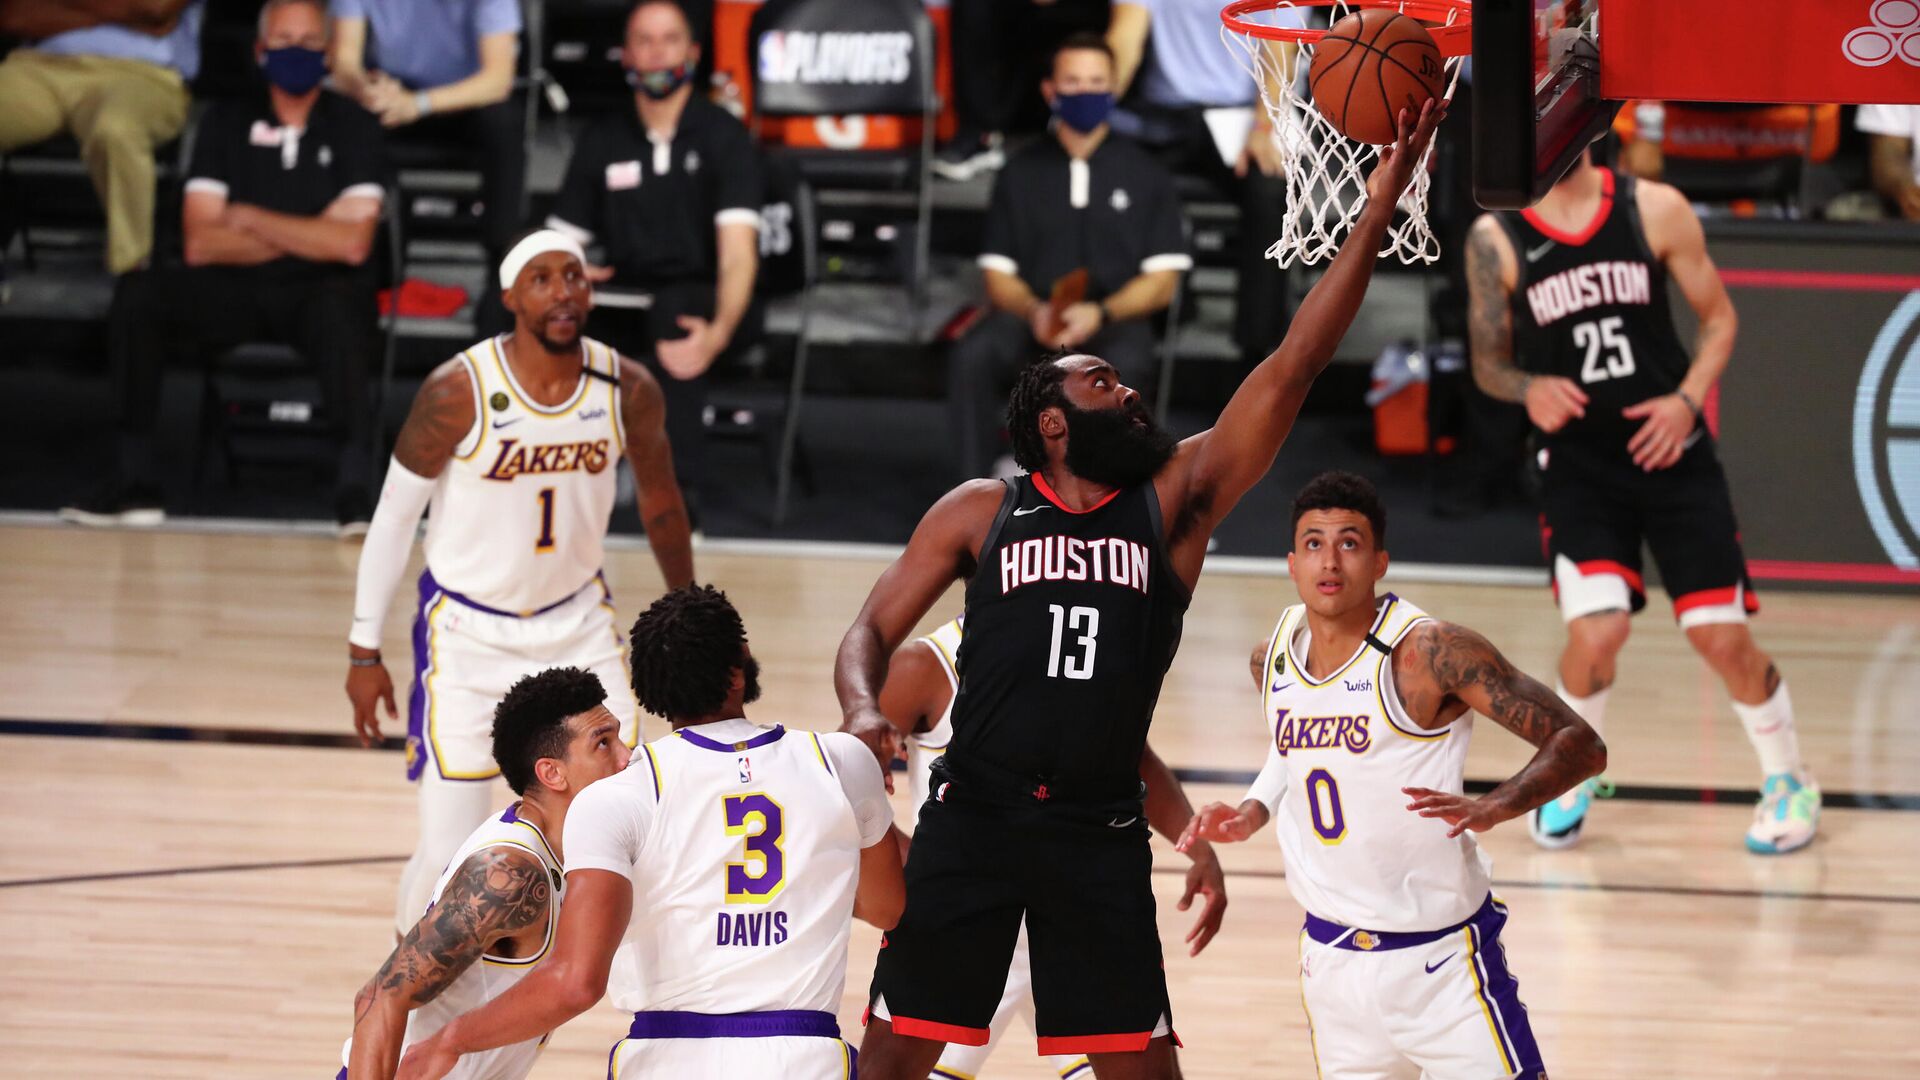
{"x": 1592, "y": 708}
{"x": 1770, "y": 728}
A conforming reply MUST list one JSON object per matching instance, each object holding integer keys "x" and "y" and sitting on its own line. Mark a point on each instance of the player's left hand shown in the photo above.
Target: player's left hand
{"x": 689, "y": 357}
{"x": 1205, "y": 878}
{"x": 427, "y": 1060}
{"x": 1663, "y": 438}
{"x": 1463, "y": 812}
{"x": 1389, "y": 178}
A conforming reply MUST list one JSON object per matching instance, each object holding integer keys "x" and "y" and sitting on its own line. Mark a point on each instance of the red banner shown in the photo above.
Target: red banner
{"x": 1847, "y": 51}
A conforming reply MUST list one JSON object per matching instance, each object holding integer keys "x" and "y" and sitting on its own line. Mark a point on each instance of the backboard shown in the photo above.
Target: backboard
{"x": 1536, "y": 95}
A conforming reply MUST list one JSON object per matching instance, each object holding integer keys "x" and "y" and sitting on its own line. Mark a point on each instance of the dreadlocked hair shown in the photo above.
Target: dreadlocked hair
{"x": 1035, "y": 389}
{"x": 530, "y": 723}
{"x": 683, "y": 651}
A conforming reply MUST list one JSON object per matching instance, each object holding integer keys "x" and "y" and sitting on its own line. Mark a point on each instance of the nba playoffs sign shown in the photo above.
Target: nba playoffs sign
{"x": 841, "y": 56}
{"x": 1848, "y": 51}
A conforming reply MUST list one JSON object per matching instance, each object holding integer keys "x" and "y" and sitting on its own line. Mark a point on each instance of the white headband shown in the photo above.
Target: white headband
{"x": 535, "y": 245}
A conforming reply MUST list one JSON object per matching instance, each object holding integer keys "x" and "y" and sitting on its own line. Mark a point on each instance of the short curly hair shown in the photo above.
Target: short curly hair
{"x": 530, "y": 723}
{"x": 1337, "y": 490}
{"x": 684, "y": 649}
{"x": 1036, "y": 389}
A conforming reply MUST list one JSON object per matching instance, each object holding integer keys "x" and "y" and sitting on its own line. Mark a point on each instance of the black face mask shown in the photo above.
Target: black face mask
{"x": 1107, "y": 447}
{"x": 662, "y": 83}
{"x": 751, "y": 669}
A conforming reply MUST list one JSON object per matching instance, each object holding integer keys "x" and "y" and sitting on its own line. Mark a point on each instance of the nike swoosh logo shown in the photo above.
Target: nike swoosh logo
{"x": 1277, "y": 687}
{"x": 1533, "y": 254}
{"x": 498, "y": 424}
{"x": 1431, "y": 968}
{"x": 1116, "y": 823}
{"x": 1028, "y": 510}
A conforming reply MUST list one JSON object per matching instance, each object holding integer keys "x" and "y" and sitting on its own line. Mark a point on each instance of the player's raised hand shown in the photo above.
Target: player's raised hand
{"x": 1399, "y": 159}
{"x": 1217, "y": 823}
{"x": 1463, "y": 812}
{"x": 429, "y": 1059}
{"x": 368, "y": 687}
{"x": 1206, "y": 879}
{"x": 1663, "y": 438}
{"x": 872, "y": 727}
{"x": 1552, "y": 401}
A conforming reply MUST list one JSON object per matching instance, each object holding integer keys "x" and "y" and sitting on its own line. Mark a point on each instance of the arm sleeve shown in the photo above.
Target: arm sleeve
{"x": 576, "y": 210}
{"x": 497, "y": 17}
{"x": 859, "y": 776}
{"x": 742, "y": 187}
{"x": 998, "y": 247}
{"x": 1884, "y": 120}
{"x": 383, "y": 554}
{"x": 1167, "y": 232}
{"x": 1271, "y": 785}
{"x": 606, "y": 826}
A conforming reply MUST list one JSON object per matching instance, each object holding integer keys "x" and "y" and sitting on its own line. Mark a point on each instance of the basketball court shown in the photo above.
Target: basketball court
{"x": 201, "y": 869}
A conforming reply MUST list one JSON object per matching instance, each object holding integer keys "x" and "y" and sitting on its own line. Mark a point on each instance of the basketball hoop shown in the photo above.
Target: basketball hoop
{"x": 1326, "y": 171}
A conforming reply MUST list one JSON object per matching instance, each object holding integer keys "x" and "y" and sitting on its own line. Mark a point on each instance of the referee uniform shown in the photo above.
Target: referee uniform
{"x": 1114, "y": 214}
{"x": 654, "y": 206}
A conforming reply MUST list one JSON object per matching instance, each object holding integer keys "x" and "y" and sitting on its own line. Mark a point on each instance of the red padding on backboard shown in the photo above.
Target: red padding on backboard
{"x": 1847, "y": 51}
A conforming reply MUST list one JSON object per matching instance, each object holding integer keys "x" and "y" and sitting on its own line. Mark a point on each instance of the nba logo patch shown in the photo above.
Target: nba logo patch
{"x": 746, "y": 770}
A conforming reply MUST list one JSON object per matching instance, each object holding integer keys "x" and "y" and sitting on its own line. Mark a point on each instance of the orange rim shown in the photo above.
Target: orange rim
{"x": 1455, "y": 39}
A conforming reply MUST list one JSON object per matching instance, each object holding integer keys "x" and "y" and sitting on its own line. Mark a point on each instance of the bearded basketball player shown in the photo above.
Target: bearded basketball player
{"x": 1079, "y": 575}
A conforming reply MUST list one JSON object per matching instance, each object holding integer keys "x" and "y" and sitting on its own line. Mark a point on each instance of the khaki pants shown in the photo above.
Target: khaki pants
{"x": 118, "y": 110}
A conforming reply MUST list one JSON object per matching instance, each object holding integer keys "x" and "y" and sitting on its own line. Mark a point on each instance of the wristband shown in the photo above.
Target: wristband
{"x": 421, "y": 104}
{"x": 1698, "y": 416}
{"x": 364, "y": 661}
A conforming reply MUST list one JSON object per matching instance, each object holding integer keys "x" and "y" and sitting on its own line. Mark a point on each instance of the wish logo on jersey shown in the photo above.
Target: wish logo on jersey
{"x": 517, "y": 460}
{"x": 1320, "y": 732}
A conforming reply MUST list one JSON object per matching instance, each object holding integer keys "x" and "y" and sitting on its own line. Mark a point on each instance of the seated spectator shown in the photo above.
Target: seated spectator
{"x": 1184, "y": 94}
{"x": 113, "y": 74}
{"x": 443, "y": 70}
{"x": 1000, "y": 52}
{"x": 670, "y": 190}
{"x": 283, "y": 197}
{"x": 1654, "y": 132}
{"x": 1893, "y": 154}
{"x": 1083, "y": 199}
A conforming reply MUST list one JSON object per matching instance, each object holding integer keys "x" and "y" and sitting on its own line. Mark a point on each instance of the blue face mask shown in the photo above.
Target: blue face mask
{"x": 662, "y": 83}
{"x": 295, "y": 69}
{"x": 1083, "y": 112}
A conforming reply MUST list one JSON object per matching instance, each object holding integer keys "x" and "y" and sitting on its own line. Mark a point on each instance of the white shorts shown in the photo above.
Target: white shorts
{"x": 790, "y": 1057}
{"x": 465, "y": 659}
{"x": 1444, "y": 1008}
{"x": 961, "y": 1062}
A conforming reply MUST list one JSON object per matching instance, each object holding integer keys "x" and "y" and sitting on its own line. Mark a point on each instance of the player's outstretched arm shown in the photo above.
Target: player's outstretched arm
{"x": 1491, "y": 272}
{"x": 443, "y": 413}
{"x": 567, "y": 983}
{"x": 496, "y": 893}
{"x": 944, "y": 548}
{"x": 663, "y": 510}
{"x": 1438, "y": 663}
{"x": 1240, "y": 448}
{"x": 1169, "y": 812}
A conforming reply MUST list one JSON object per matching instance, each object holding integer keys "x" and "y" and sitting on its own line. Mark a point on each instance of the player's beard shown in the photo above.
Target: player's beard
{"x": 539, "y": 331}
{"x": 1107, "y": 447}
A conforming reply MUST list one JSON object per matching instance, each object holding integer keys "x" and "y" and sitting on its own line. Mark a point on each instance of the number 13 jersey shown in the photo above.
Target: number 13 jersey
{"x": 1072, "y": 619}
{"x": 1355, "y": 854}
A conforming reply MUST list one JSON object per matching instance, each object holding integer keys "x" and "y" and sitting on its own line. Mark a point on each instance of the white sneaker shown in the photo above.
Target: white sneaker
{"x": 1787, "y": 817}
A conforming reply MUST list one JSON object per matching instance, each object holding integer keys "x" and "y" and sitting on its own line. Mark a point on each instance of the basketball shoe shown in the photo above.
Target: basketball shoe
{"x": 1787, "y": 817}
{"x": 1557, "y": 824}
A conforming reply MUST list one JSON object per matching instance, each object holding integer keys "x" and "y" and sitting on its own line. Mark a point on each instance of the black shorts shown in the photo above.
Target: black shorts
{"x": 1600, "y": 508}
{"x": 1080, "y": 874}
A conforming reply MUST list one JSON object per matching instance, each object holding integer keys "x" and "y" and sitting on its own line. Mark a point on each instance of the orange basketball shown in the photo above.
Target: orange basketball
{"x": 1371, "y": 65}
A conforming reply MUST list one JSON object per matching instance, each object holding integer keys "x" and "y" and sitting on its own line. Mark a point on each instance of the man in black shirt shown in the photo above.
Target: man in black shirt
{"x": 1078, "y": 577}
{"x": 671, "y": 192}
{"x": 1085, "y": 199}
{"x": 282, "y": 202}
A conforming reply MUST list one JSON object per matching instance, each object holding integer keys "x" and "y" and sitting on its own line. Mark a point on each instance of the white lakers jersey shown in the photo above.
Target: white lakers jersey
{"x": 743, "y": 843}
{"x": 520, "y": 515}
{"x": 925, "y": 748}
{"x": 1355, "y": 854}
{"x": 490, "y": 976}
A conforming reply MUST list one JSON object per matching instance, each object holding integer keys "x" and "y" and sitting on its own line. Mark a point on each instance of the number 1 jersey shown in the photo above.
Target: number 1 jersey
{"x": 1072, "y": 619}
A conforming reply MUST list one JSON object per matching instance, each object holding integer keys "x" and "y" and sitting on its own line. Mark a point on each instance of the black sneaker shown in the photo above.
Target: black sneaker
{"x": 115, "y": 503}
{"x": 352, "y": 511}
{"x": 968, "y": 155}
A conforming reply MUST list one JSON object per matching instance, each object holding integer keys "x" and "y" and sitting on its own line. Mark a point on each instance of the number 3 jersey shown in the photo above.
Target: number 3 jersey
{"x": 1355, "y": 854}
{"x": 519, "y": 518}
{"x": 1592, "y": 307}
{"x": 743, "y": 843}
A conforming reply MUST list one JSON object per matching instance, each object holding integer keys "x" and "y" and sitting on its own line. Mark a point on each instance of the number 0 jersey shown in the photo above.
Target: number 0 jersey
{"x": 1072, "y": 620}
{"x": 519, "y": 517}
{"x": 1355, "y": 854}
{"x": 1592, "y": 307}
{"x": 743, "y": 843}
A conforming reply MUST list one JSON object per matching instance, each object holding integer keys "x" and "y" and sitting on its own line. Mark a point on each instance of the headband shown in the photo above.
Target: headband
{"x": 535, "y": 245}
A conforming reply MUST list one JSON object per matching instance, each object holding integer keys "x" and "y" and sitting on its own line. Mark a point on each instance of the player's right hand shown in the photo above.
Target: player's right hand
{"x": 872, "y": 727}
{"x": 1216, "y": 822}
{"x": 367, "y": 689}
{"x": 1552, "y": 401}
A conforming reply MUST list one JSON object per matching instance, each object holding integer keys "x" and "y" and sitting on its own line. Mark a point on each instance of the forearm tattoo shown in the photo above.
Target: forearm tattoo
{"x": 1490, "y": 322}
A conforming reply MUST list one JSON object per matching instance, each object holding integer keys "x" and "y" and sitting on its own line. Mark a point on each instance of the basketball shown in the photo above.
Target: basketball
{"x": 1371, "y": 65}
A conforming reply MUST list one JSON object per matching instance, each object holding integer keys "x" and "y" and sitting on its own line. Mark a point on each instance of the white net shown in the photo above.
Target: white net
{"x": 1326, "y": 171}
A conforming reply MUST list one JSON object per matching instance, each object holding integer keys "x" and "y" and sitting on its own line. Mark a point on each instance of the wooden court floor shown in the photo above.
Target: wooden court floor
{"x": 207, "y": 907}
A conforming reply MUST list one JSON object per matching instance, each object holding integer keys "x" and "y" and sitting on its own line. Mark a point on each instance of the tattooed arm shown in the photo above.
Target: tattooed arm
{"x": 498, "y": 892}
{"x": 1491, "y": 275}
{"x": 663, "y": 511}
{"x": 1440, "y": 670}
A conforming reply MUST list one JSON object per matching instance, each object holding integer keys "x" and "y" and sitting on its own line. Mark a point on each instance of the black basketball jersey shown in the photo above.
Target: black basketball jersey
{"x": 1072, "y": 620}
{"x": 1592, "y": 307}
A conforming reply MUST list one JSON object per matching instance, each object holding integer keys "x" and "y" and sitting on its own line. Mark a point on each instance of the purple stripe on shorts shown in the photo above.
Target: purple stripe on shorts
{"x": 804, "y": 1023}
{"x": 1504, "y": 991}
{"x": 705, "y": 743}
{"x": 417, "y": 698}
